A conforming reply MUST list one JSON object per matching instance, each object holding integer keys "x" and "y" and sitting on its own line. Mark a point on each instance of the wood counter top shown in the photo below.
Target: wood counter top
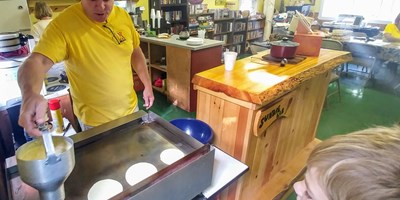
{"x": 176, "y": 42}
{"x": 262, "y": 83}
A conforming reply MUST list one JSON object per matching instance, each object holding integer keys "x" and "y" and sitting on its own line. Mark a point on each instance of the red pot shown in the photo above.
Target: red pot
{"x": 283, "y": 48}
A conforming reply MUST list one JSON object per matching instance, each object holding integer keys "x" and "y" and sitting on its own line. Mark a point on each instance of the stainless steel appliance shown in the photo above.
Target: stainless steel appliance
{"x": 109, "y": 151}
{"x": 46, "y": 170}
{"x": 9, "y": 89}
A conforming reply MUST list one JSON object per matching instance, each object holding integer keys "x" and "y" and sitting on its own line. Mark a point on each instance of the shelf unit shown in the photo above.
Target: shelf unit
{"x": 233, "y": 32}
{"x": 200, "y": 18}
{"x": 176, "y": 65}
{"x": 174, "y": 15}
{"x": 156, "y": 62}
{"x": 255, "y": 29}
{"x": 201, "y": 21}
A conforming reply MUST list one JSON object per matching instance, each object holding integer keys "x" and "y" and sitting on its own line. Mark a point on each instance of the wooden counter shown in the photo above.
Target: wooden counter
{"x": 176, "y": 62}
{"x": 266, "y": 116}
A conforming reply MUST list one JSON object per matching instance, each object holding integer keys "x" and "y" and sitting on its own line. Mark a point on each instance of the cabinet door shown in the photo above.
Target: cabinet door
{"x": 6, "y": 140}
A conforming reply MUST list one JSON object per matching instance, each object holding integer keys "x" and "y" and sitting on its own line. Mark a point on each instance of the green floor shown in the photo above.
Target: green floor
{"x": 165, "y": 109}
{"x": 364, "y": 103}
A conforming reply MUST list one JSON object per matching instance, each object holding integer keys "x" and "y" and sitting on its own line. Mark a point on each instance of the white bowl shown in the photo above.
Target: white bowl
{"x": 194, "y": 41}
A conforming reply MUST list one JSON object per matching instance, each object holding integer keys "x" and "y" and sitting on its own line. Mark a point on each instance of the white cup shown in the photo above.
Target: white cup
{"x": 201, "y": 34}
{"x": 229, "y": 60}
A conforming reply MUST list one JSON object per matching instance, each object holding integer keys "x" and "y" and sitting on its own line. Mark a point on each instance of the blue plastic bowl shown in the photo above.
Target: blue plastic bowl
{"x": 199, "y": 130}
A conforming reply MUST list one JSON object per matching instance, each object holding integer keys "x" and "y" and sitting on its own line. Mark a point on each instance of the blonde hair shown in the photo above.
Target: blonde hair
{"x": 42, "y": 10}
{"x": 360, "y": 165}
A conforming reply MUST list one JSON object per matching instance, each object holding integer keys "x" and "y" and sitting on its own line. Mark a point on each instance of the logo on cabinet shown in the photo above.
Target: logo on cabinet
{"x": 266, "y": 117}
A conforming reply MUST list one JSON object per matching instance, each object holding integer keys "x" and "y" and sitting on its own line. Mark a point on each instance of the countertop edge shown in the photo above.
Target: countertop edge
{"x": 181, "y": 44}
{"x": 275, "y": 91}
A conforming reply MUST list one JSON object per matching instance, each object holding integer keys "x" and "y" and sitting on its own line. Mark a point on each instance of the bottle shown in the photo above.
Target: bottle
{"x": 55, "y": 110}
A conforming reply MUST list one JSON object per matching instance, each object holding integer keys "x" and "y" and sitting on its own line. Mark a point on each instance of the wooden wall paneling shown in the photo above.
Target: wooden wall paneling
{"x": 229, "y": 126}
{"x": 243, "y": 127}
{"x": 261, "y": 160}
{"x": 178, "y": 76}
{"x": 279, "y": 182}
{"x": 215, "y": 121}
{"x": 320, "y": 86}
{"x": 203, "y": 97}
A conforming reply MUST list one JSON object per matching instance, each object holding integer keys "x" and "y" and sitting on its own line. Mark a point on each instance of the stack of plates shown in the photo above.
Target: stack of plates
{"x": 194, "y": 41}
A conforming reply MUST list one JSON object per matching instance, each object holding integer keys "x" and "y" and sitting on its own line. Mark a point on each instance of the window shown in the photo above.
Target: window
{"x": 248, "y": 5}
{"x": 376, "y": 11}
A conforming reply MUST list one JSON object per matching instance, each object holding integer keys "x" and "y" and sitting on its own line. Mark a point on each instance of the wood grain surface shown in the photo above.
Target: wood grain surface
{"x": 229, "y": 103}
{"x": 260, "y": 83}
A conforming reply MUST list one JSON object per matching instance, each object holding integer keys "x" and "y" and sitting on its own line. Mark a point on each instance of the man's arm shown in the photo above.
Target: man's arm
{"x": 390, "y": 38}
{"x": 138, "y": 62}
{"x": 30, "y": 79}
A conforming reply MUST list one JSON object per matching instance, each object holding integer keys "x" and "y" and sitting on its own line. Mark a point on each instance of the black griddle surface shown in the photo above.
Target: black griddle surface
{"x": 110, "y": 156}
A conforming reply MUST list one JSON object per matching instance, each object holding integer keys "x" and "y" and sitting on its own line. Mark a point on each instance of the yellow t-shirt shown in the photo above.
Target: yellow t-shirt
{"x": 393, "y": 30}
{"x": 98, "y": 67}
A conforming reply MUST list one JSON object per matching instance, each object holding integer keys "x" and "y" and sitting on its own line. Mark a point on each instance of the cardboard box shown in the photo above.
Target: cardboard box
{"x": 310, "y": 44}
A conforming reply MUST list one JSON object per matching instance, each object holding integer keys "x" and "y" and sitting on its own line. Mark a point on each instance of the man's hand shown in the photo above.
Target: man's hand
{"x": 148, "y": 97}
{"x": 33, "y": 112}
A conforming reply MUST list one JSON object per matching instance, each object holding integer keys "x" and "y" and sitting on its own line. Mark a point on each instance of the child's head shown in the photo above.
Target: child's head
{"x": 360, "y": 165}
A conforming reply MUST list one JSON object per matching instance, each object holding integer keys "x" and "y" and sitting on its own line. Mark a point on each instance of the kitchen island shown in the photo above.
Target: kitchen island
{"x": 172, "y": 62}
{"x": 266, "y": 116}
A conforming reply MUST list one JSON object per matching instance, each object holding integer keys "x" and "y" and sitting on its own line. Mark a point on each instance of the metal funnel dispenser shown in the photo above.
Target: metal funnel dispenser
{"x": 45, "y": 164}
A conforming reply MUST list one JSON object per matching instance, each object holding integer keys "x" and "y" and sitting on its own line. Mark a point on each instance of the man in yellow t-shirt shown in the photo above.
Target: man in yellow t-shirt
{"x": 392, "y": 32}
{"x": 100, "y": 48}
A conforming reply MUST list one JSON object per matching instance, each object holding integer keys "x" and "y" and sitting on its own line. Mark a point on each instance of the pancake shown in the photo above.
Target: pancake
{"x": 139, "y": 172}
{"x": 104, "y": 189}
{"x": 170, "y": 156}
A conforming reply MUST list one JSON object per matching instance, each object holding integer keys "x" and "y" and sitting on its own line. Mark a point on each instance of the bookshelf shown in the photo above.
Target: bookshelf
{"x": 174, "y": 15}
{"x": 255, "y": 29}
{"x": 233, "y": 32}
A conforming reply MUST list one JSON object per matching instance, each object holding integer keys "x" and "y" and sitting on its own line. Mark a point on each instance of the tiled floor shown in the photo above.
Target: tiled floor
{"x": 364, "y": 103}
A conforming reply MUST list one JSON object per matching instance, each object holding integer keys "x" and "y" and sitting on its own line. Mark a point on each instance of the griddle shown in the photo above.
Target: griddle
{"x": 107, "y": 151}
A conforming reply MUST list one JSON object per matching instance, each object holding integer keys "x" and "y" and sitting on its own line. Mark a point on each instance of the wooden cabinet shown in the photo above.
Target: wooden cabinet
{"x": 268, "y": 124}
{"x": 6, "y": 140}
{"x": 157, "y": 66}
{"x": 174, "y": 63}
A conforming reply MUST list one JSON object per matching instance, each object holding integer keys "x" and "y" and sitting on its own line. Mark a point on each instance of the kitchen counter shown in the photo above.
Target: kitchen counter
{"x": 259, "y": 84}
{"x": 176, "y": 62}
{"x": 176, "y": 42}
{"x": 266, "y": 116}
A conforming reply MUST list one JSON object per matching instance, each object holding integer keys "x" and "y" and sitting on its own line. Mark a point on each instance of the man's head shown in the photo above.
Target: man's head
{"x": 97, "y": 10}
{"x": 359, "y": 165}
{"x": 397, "y": 21}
